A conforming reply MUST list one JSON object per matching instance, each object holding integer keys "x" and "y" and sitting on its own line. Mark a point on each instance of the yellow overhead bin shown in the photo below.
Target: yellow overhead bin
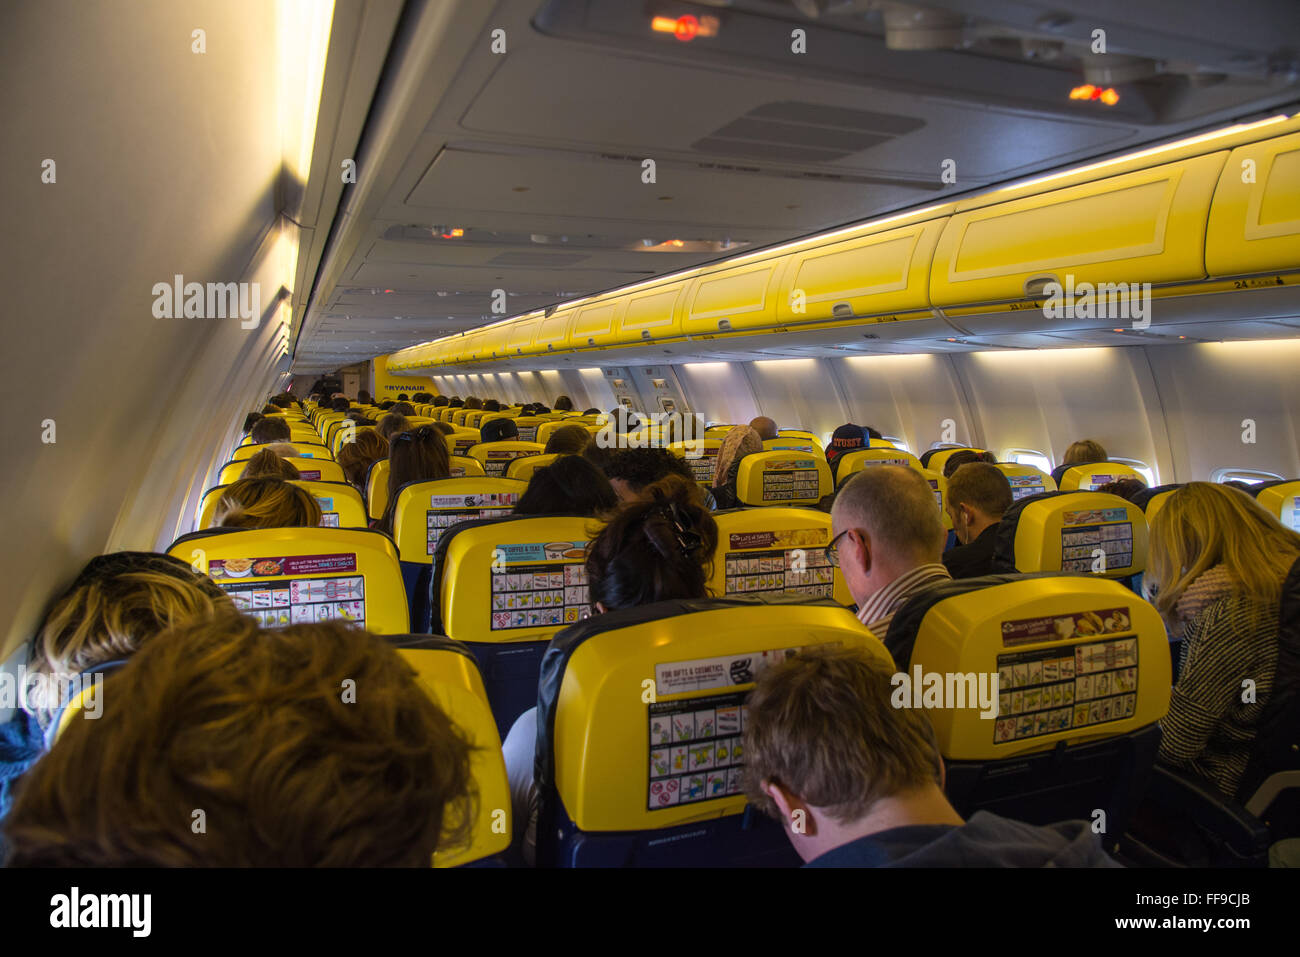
{"x": 652, "y": 314}
{"x": 733, "y": 300}
{"x": 1255, "y": 225}
{"x": 594, "y": 326}
{"x": 492, "y": 345}
{"x": 1142, "y": 226}
{"x": 519, "y": 335}
{"x": 552, "y": 333}
{"x": 882, "y": 273}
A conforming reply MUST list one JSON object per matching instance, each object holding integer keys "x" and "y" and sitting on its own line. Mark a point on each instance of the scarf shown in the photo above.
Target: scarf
{"x": 1209, "y": 586}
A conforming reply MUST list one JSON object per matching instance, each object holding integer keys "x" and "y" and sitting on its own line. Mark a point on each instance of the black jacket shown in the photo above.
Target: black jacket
{"x": 975, "y": 559}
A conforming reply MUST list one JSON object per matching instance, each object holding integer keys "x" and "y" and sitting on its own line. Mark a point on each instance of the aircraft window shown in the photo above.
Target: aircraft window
{"x": 1028, "y": 457}
{"x": 948, "y": 445}
{"x": 896, "y": 442}
{"x": 1249, "y": 476}
{"x": 1147, "y": 472}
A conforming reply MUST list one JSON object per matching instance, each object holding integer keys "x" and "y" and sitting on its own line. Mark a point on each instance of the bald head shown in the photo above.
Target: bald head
{"x": 897, "y": 508}
{"x": 765, "y": 427}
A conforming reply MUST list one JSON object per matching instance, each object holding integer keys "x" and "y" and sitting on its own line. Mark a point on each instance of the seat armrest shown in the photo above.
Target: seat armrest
{"x": 1243, "y": 834}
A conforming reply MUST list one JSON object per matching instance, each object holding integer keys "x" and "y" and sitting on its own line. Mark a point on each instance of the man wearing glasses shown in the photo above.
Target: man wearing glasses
{"x": 887, "y": 539}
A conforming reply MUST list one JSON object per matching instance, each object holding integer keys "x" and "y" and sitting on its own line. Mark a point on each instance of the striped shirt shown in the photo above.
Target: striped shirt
{"x": 1209, "y": 730}
{"x": 878, "y": 610}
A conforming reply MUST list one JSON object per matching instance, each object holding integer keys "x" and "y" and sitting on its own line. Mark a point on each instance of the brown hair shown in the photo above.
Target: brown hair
{"x": 392, "y": 424}
{"x": 270, "y": 429}
{"x": 266, "y": 463}
{"x": 119, "y": 601}
{"x": 964, "y": 456}
{"x": 567, "y": 440}
{"x": 356, "y": 457}
{"x": 255, "y": 728}
{"x": 265, "y": 503}
{"x": 822, "y": 725}
{"x": 654, "y": 549}
{"x": 1083, "y": 452}
{"x": 418, "y": 456}
{"x": 1202, "y": 525}
{"x": 981, "y": 486}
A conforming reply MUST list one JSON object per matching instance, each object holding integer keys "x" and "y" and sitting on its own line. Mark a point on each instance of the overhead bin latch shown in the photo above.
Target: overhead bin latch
{"x": 724, "y": 325}
{"x": 1036, "y": 286}
{"x": 645, "y": 334}
{"x": 842, "y": 310}
{"x": 591, "y": 341}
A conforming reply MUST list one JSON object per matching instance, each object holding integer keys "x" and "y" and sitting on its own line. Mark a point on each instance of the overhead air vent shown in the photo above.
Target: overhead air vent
{"x": 805, "y": 132}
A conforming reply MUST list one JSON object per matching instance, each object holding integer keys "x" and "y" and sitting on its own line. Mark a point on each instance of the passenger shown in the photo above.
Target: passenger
{"x": 403, "y": 397}
{"x": 473, "y": 402}
{"x": 285, "y": 450}
{"x": 391, "y": 424}
{"x": 570, "y": 485}
{"x": 270, "y": 409}
{"x": 567, "y": 440}
{"x": 887, "y": 537}
{"x": 420, "y": 455}
{"x": 499, "y": 430}
{"x": 281, "y": 401}
{"x": 1084, "y": 452}
{"x": 266, "y": 463}
{"x": 648, "y": 551}
{"x": 736, "y": 444}
{"x": 446, "y": 428}
{"x": 847, "y": 438}
{"x": 964, "y": 457}
{"x": 591, "y": 412}
{"x": 491, "y": 405}
{"x": 357, "y": 419}
{"x": 356, "y": 457}
{"x": 364, "y": 397}
{"x": 251, "y": 420}
{"x": 633, "y": 473}
{"x": 765, "y": 427}
{"x": 402, "y": 408}
{"x": 440, "y": 400}
{"x": 456, "y": 402}
{"x": 1125, "y": 488}
{"x": 340, "y": 403}
{"x": 270, "y": 430}
{"x": 978, "y": 496}
{"x": 826, "y": 748}
{"x": 117, "y": 603}
{"x": 265, "y": 503}
{"x": 597, "y": 454}
{"x": 563, "y": 403}
{"x": 386, "y": 405}
{"x": 1216, "y": 565}
{"x": 249, "y": 725}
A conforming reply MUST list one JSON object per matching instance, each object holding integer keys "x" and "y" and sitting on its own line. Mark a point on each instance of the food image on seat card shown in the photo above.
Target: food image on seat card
{"x": 550, "y": 590}
{"x": 300, "y": 601}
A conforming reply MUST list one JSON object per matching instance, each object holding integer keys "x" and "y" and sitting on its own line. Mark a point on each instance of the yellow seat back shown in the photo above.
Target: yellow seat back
{"x": 1090, "y": 532}
{"x": 701, "y": 455}
{"x": 778, "y": 551}
{"x": 310, "y": 470}
{"x": 940, "y": 458}
{"x": 1097, "y": 474}
{"x": 306, "y": 450}
{"x": 1025, "y": 479}
{"x": 528, "y": 426}
{"x": 850, "y": 463}
{"x": 522, "y": 469}
{"x": 795, "y": 443}
{"x": 782, "y": 477}
{"x": 288, "y": 575}
{"x": 341, "y": 505}
{"x": 424, "y": 509}
{"x": 495, "y": 457}
{"x": 1281, "y": 500}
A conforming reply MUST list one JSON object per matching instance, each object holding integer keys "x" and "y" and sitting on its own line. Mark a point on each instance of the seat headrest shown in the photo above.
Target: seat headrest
{"x": 1073, "y": 531}
{"x": 783, "y": 477}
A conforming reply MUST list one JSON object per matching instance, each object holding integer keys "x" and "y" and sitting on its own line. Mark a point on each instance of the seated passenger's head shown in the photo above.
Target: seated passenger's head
{"x": 356, "y": 457}
{"x": 251, "y": 420}
{"x": 567, "y": 440}
{"x": 1084, "y": 452}
{"x": 363, "y": 397}
{"x": 764, "y": 426}
{"x": 822, "y": 737}
{"x": 265, "y": 503}
{"x": 403, "y": 397}
{"x": 884, "y": 523}
{"x": 402, "y": 408}
{"x": 473, "y": 402}
{"x": 633, "y": 471}
{"x": 285, "y": 450}
{"x": 598, "y": 454}
{"x": 391, "y": 424}
{"x": 736, "y": 444}
{"x": 964, "y": 456}
{"x": 386, "y": 405}
{"x": 340, "y": 404}
{"x": 117, "y": 603}
{"x": 1202, "y": 525}
{"x": 653, "y": 550}
{"x": 266, "y": 462}
{"x": 563, "y": 403}
{"x": 591, "y": 412}
{"x": 570, "y": 485}
{"x": 270, "y": 409}
{"x": 420, "y": 455}
{"x": 270, "y": 430}
{"x": 499, "y": 430}
{"x": 439, "y": 400}
{"x": 1125, "y": 488}
{"x": 491, "y": 405}
{"x": 446, "y": 428}
{"x": 978, "y": 496}
{"x": 847, "y": 438}
{"x": 456, "y": 402}
{"x": 251, "y": 726}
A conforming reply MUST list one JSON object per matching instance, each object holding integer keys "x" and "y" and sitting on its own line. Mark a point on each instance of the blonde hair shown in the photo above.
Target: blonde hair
{"x": 736, "y": 444}
{"x": 118, "y": 602}
{"x": 1203, "y": 525}
{"x": 268, "y": 463}
{"x": 1083, "y": 452}
{"x": 265, "y": 503}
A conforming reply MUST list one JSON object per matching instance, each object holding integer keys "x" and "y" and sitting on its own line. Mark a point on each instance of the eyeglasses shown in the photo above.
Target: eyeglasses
{"x": 833, "y": 549}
